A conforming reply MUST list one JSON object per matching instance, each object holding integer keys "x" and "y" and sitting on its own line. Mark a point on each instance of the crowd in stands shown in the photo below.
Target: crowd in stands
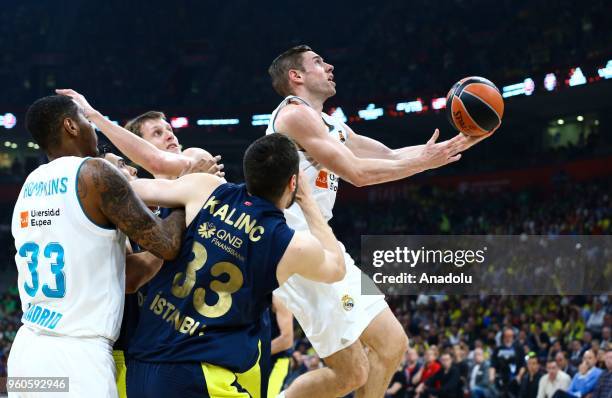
{"x": 219, "y": 56}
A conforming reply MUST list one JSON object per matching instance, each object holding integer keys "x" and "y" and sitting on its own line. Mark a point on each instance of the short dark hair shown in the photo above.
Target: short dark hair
{"x": 290, "y": 59}
{"x": 135, "y": 124}
{"x": 269, "y": 163}
{"x": 45, "y": 117}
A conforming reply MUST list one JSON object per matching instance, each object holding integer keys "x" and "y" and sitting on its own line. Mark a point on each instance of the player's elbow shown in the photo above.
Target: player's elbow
{"x": 286, "y": 342}
{"x": 359, "y": 177}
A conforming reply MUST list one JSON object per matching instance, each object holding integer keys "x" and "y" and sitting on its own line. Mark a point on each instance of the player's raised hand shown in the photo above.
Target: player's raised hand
{"x": 303, "y": 188}
{"x": 435, "y": 155}
{"x": 206, "y": 165}
{"x": 79, "y": 99}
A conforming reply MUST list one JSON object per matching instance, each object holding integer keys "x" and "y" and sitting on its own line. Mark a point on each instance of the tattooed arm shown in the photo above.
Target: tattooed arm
{"x": 107, "y": 198}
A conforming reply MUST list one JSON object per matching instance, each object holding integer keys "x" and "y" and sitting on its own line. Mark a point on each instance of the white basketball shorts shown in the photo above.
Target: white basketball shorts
{"x": 333, "y": 316}
{"x": 87, "y": 362}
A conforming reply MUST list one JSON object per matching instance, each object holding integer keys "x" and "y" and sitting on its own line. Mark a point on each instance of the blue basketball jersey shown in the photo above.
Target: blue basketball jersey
{"x": 207, "y": 304}
{"x": 133, "y": 302}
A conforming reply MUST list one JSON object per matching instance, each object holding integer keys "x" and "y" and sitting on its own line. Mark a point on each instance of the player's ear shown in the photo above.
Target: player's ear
{"x": 71, "y": 126}
{"x": 295, "y": 75}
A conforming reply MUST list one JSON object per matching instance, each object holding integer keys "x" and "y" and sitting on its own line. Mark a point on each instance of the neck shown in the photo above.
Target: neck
{"x": 63, "y": 151}
{"x": 313, "y": 101}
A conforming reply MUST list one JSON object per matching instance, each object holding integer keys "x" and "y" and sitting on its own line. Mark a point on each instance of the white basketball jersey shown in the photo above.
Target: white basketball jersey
{"x": 323, "y": 183}
{"x": 71, "y": 271}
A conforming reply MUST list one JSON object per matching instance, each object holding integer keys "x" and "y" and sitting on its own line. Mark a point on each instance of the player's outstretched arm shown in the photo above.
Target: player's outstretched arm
{"x": 190, "y": 191}
{"x": 303, "y": 125}
{"x": 363, "y": 146}
{"x": 313, "y": 254}
{"x": 140, "y": 151}
{"x": 107, "y": 197}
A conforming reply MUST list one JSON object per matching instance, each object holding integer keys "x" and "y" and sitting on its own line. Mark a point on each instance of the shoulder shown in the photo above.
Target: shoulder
{"x": 96, "y": 169}
{"x": 297, "y": 113}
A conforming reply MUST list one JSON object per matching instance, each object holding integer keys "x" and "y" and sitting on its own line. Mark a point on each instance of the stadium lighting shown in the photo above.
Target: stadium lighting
{"x": 14, "y": 145}
{"x": 606, "y": 72}
{"x": 217, "y": 122}
{"x": 580, "y": 118}
{"x": 527, "y": 87}
{"x": 370, "y": 112}
{"x": 596, "y": 122}
{"x": 7, "y": 143}
{"x": 36, "y": 146}
{"x": 550, "y": 82}
{"x": 410, "y": 107}
{"x": 576, "y": 78}
{"x": 438, "y": 103}
{"x": 261, "y": 120}
{"x": 179, "y": 122}
{"x": 338, "y": 113}
{"x": 560, "y": 121}
{"x": 30, "y": 144}
{"x": 8, "y": 121}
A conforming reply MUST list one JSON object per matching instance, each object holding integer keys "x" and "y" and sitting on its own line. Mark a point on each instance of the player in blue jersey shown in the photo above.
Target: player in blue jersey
{"x": 198, "y": 334}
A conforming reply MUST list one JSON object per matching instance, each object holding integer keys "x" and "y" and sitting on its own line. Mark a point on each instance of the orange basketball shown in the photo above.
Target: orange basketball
{"x": 474, "y": 106}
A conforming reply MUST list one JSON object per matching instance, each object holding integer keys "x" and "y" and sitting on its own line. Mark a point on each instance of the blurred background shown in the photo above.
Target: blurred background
{"x": 547, "y": 170}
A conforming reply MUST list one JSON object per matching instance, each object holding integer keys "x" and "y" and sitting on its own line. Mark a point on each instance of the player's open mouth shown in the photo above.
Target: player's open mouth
{"x": 172, "y": 146}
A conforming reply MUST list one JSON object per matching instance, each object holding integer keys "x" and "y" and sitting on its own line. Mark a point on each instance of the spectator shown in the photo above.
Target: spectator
{"x": 596, "y": 319}
{"x": 430, "y": 368}
{"x": 507, "y": 360}
{"x": 576, "y": 353}
{"x": 443, "y": 384}
{"x": 412, "y": 367}
{"x": 480, "y": 383}
{"x": 554, "y": 380}
{"x": 530, "y": 378}
{"x": 606, "y": 338}
{"x": 603, "y": 389}
{"x": 399, "y": 384}
{"x": 564, "y": 365}
{"x": 584, "y": 381}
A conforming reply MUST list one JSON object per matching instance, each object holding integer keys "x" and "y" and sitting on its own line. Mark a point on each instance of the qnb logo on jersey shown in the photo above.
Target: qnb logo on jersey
{"x": 39, "y": 218}
{"x": 242, "y": 222}
{"x": 221, "y": 238}
{"x": 326, "y": 180}
{"x": 42, "y": 317}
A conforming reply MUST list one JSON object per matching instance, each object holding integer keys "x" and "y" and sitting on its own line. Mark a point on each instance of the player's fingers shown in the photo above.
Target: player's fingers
{"x": 434, "y": 137}
{"x": 217, "y": 158}
{"x": 454, "y": 158}
{"x": 220, "y": 166}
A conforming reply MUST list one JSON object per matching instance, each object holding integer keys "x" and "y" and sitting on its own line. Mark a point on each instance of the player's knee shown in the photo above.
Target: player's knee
{"x": 353, "y": 377}
{"x": 393, "y": 352}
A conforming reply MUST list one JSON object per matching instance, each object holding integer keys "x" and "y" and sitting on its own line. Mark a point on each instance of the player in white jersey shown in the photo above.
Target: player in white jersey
{"x": 337, "y": 318}
{"x": 70, "y": 224}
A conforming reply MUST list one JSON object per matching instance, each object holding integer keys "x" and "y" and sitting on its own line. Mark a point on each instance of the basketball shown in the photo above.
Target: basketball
{"x": 474, "y": 106}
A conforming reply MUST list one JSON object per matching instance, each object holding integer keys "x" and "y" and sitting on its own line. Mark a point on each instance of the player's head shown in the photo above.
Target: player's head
{"x": 152, "y": 126}
{"x": 59, "y": 126}
{"x": 271, "y": 166}
{"x": 300, "y": 70}
{"x": 128, "y": 171}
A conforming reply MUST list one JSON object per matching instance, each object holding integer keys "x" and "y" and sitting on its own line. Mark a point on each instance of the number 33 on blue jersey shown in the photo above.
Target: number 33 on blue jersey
{"x": 31, "y": 250}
